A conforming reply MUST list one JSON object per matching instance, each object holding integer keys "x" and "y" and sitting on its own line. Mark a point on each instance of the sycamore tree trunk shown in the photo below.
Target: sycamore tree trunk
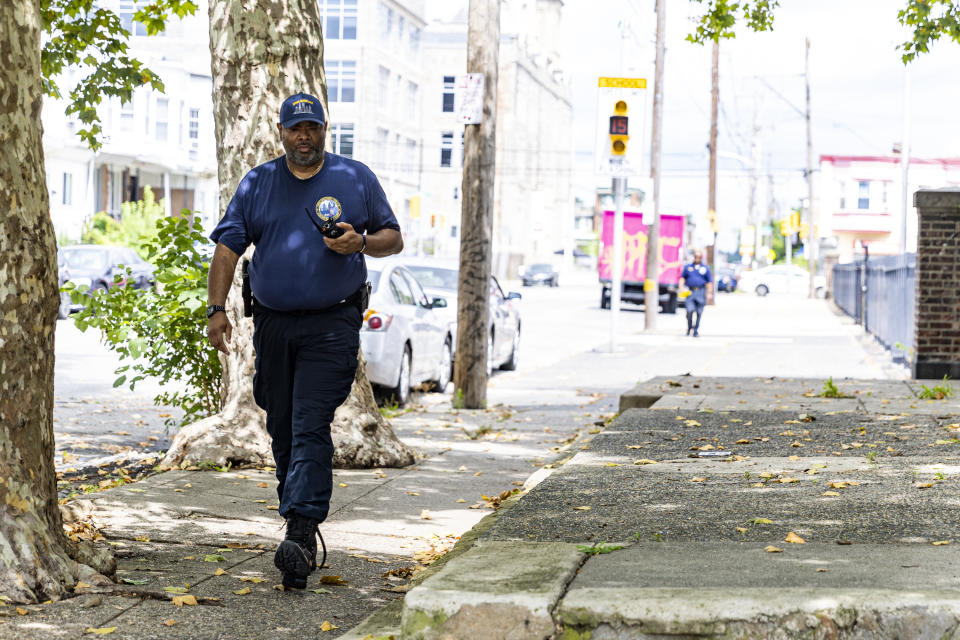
{"x": 37, "y": 560}
{"x": 261, "y": 52}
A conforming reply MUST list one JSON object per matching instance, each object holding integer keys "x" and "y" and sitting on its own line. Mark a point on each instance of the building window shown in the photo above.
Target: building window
{"x": 341, "y": 80}
{"x": 125, "y": 12}
{"x": 884, "y": 195}
{"x": 126, "y": 115}
{"x": 383, "y": 87}
{"x": 341, "y": 139}
{"x": 410, "y": 154}
{"x": 163, "y": 107}
{"x": 382, "y": 151}
{"x": 446, "y": 148}
{"x": 194, "y": 127}
{"x": 415, "y": 39}
{"x": 339, "y": 19}
{"x": 448, "y": 82}
{"x": 843, "y": 195}
{"x": 401, "y": 24}
{"x": 386, "y": 21}
{"x": 67, "y": 188}
{"x": 412, "y": 99}
{"x": 863, "y": 201}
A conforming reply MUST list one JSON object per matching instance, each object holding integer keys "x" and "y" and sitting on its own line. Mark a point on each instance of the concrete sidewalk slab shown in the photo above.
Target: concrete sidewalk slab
{"x": 496, "y": 591}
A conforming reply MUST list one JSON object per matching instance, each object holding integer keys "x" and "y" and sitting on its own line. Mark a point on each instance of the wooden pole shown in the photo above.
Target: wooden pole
{"x": 712, "y": 198}
{"x": 476, "y": 217}
{"x": 651, "y": 288}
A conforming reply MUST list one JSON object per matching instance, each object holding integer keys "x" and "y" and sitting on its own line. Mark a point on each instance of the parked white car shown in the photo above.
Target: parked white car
{"x": 404, "y": 339}
{"x": 781, "y": 278}
{"x": 440, "y": 278}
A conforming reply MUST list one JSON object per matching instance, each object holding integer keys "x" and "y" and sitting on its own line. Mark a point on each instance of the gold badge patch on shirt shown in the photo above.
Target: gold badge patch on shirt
{"x": 328, "y": 209}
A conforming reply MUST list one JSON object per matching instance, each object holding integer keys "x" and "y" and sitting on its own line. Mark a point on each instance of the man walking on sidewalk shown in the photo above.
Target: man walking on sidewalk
{"x": 696, "y": 276}
{"x": 311, "y": 216}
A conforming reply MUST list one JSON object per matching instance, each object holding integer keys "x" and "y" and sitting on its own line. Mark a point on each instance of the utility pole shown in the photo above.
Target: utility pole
{"x": 813, "y": 239}
{"x": 651, "y": 287}
{"x": 476, "y": 214}
{"x": 712, "y": 198}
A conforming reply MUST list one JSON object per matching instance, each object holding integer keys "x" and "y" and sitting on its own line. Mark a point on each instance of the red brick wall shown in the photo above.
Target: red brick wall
{"x": 937, "y": 313}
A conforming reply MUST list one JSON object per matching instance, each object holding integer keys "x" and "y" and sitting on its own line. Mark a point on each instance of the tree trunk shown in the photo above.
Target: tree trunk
{"x": 261, "y": 52}
{"x": 37, "y": 560}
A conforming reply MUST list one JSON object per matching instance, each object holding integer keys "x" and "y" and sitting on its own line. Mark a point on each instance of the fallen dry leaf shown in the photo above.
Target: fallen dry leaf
{"x": 253, "y": 580}
{"x": 940, "y": 543}
{"x": 698, "y": 479}
{"x": 188, "y": 599}
{"x": 170, "y": 622}
{"x": 425, "y": 515}
{"x": 830, "y": 493}
{"x": 100, "y": 631}
{"x": 794, "y": 539}
{"x": 219, "y": 572}
{"x": 583, "y": 508}
{"x": 262, "y": 485}
{"x": 22, "y": 611}
{"x": 742, "y": 441}
{"x": 461, "y": 500}
{"x": 326, "y": 626}
{"x": 242, "y": 592}
{"x": 333, "y": 580}
{"x": 924, "y": 485}
{"x": 822, "y": 570}
{"x": 772, "y": 549}
{"x": 644, "y": 461}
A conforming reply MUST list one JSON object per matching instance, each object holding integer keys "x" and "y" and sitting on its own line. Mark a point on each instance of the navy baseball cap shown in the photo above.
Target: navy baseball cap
{"x": 301, "y": 107}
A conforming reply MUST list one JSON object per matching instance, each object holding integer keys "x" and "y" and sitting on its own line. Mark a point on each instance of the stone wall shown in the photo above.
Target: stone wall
{"x": 937, "y": 307}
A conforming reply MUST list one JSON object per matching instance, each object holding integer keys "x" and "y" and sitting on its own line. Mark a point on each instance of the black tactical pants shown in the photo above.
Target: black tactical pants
{"x": 305, "y": 365}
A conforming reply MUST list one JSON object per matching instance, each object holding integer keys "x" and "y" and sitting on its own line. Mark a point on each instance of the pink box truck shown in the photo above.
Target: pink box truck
{"x": 635, "y": 258}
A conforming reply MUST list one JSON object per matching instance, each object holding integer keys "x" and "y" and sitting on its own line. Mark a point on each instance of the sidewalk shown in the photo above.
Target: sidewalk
{"x": 821, "y": 517}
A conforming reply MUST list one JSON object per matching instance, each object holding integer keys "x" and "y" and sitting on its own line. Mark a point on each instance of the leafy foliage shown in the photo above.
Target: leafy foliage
{"x": 929, "y": 20}
{"x": 137, "y": 225}
{"x": 937, "y": 392}
{"x": 160, "y": 330}
{"x": 720, "y": 18}
{"x": 830, "y": 390}
{"x": 82, "y": 34}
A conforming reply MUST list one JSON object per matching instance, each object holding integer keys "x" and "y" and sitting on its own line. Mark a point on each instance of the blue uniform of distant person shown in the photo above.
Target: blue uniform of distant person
{"x": 696, "y": 276}
{"x": 308, "y": 284}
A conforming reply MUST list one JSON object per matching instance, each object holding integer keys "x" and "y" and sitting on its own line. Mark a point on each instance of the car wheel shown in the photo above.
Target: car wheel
{"x": 511, "y": 363}
{"x": 401, "y": 392}
{"x": 762, "y": 290}
{"x": 820, "y": 293}
{"x": 445, "y": 372}
{"x": 63, "y": 311}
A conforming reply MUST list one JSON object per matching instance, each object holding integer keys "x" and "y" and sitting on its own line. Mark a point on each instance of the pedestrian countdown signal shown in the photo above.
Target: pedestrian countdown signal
{"x": 619, "y": 129}
{"x": 615, "y": 155}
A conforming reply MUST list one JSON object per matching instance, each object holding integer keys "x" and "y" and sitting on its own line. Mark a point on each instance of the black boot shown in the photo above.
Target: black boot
{"x": 296, "y": 557}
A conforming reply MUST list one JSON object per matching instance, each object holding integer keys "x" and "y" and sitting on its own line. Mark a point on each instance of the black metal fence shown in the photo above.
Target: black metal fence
{"x": 878, "y": 293}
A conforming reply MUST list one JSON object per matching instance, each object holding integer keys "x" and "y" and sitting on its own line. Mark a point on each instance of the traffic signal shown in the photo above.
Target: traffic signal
{"x": 619, "y": 131}
{"x": 804, "y": 230}
{"x": 794, "y": 220}
{"x": 713, "y": 220}
{"x": 785, "y": 227}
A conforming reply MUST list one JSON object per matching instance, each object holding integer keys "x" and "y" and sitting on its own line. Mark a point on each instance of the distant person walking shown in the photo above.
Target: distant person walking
{"x": 696, "y": 276}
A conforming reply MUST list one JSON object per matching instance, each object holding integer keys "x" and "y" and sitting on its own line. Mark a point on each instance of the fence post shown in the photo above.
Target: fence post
{"x": 937, "y": 294}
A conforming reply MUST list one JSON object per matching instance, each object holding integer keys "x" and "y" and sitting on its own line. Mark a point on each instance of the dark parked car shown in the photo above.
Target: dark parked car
{"x": 727, "y": 279}
{"x": 63, "y": 276}
{"x": 540, "y": 273}
{"x": 96, "y": 265}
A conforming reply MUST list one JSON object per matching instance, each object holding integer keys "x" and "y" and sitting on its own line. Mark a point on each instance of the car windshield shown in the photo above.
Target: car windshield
{"x": 373, "y": 277}
{"x": 540, "y": 268}
{"x": 85, "y": 258}
{"x": 435, "y": 277}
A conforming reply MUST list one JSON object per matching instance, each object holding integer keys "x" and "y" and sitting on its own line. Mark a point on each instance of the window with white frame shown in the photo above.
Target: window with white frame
{"x": 341, "y": 80}
{"x": 125, "y": 11}
{"x": 339, "y": 19}
{"x": 341, "y": 139}
{"x": 412, "y": 90}
{"x": 163, "y": 108}
{"x": 401, "y": 28}
{"x": 446, "y": 149}
{"x": 126, "y": 115}
{"x": 448, "y": 85}
{"x": 383, "y": 87}
{"x": 410, "y": 158}
{"x": 863, "y": 199}
{"x": 843, "y": 195}
{"x": 386, "y": 21}
{"x": 382, "y": 152}
{"x": 67, "y": 188}
{"x": 146, "y": 114}
{"x": 193, "y": 130}
{"x": 414, "y": 39}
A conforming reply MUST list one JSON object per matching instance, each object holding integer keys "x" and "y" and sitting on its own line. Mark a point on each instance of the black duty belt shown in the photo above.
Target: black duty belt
{"x": 357, "y": 298}
{"x": 695, "y": 288}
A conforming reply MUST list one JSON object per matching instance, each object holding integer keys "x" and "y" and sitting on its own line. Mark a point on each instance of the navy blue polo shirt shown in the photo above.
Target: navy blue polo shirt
{"x": 696, "y": 275}
{"x": 292, "y": 267}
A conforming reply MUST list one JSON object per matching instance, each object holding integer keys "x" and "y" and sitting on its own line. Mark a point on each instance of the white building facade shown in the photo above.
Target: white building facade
{"x": 861, "y": 200}
{"x": 164, "y": 141}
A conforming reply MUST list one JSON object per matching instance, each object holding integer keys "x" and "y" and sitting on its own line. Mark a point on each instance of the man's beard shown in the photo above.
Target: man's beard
{"x": 309, "y": 159}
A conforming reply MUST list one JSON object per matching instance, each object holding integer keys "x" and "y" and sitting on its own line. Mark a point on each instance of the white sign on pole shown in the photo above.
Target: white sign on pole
{"x": 468, "y": 97}
{"x": 620, "y": 126}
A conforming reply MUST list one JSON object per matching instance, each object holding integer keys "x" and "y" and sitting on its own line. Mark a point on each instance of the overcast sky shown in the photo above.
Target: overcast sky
{"x": 856, "y": 79}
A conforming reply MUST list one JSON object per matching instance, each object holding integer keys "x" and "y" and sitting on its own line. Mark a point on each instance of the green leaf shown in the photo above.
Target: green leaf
{"x": 119, "y": 381}
{"x": 176, "y": 589}
{"x": 214, "y": 557}
{"x": 132, "y": 581}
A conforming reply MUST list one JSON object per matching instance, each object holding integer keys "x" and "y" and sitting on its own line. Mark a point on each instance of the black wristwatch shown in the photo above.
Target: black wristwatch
{"x": 214, "y": 308}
